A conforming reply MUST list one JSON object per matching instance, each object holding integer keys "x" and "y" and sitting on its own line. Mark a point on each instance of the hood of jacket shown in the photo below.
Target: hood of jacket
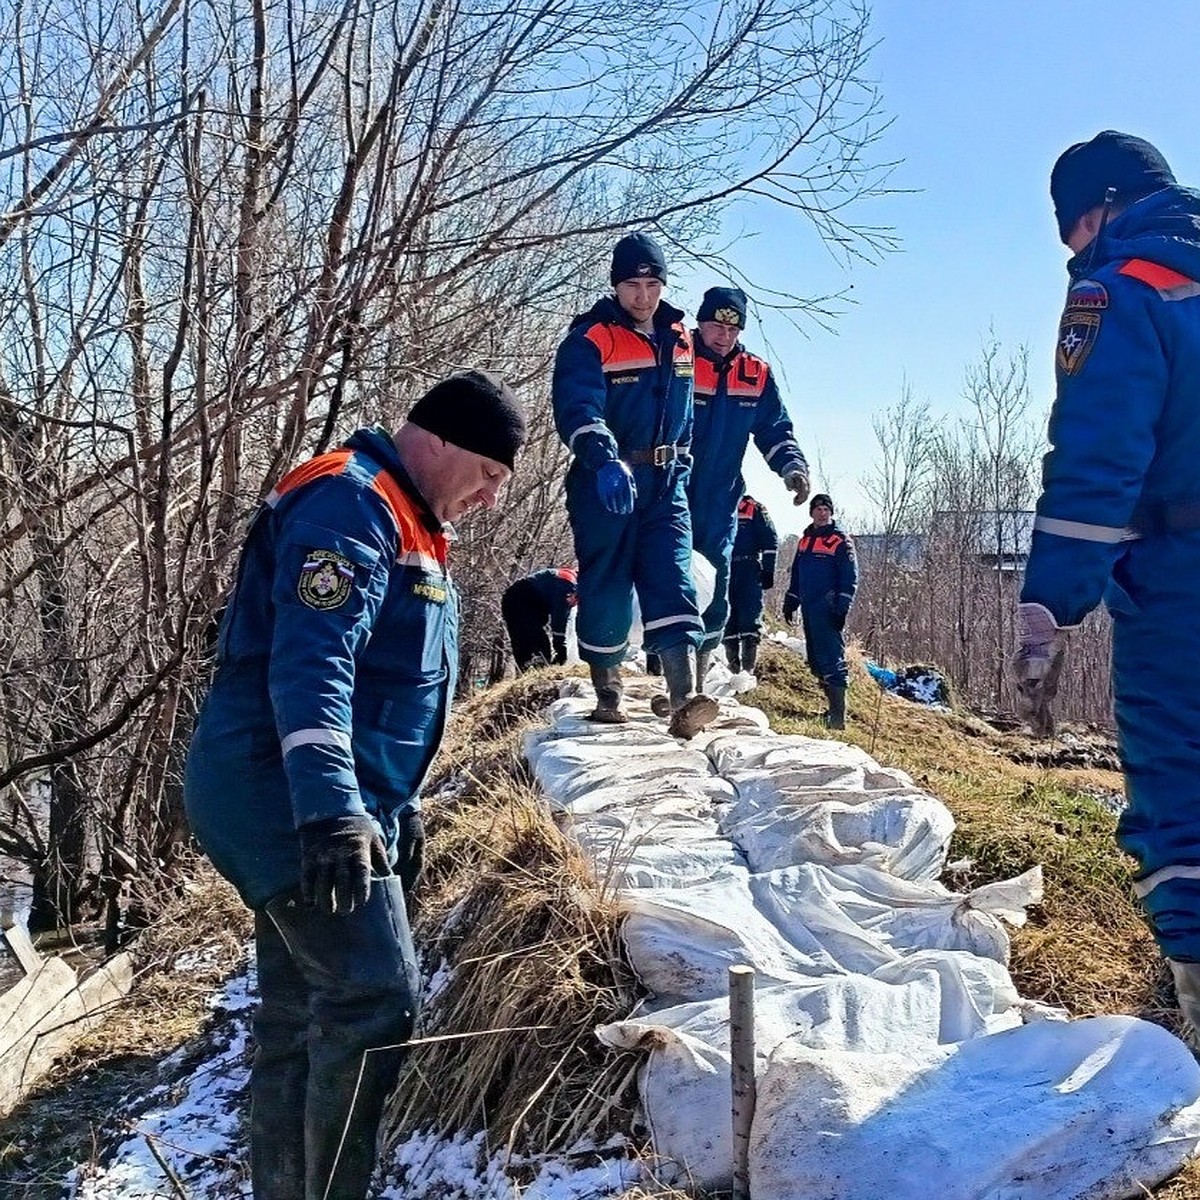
{"x": 1163, "y": 228}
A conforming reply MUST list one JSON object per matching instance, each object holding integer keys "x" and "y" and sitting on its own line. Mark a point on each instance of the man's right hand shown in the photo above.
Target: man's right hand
{"x": 337, "y": 856}
{"x": 789, "y": 612}
{"x": 615, "y": 486}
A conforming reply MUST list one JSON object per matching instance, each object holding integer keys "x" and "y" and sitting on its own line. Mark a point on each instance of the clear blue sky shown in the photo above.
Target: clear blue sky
{"x": 984, "y": 97}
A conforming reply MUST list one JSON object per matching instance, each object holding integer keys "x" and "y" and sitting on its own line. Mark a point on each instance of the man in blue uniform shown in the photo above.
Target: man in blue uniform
{"x": 1119, "y": 514}
{"x": 736, "y": 398}
{"x": 336, "y": 664}
{"x": 752, "y": 572}
{"x": 824, "y": 579}
{"x": 622, "y": 397}
{"x": 536, "y": 609}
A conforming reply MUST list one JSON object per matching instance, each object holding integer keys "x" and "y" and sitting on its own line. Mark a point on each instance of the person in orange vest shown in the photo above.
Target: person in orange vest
{"x": 622, "y": 397}
{"x": 823, "y": 583}
{"x": 536, "y": 609}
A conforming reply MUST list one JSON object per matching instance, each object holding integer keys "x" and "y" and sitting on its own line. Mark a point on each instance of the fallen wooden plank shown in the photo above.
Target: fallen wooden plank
{"x": 21, "y": 945}
{"x": 47, "y": 1018}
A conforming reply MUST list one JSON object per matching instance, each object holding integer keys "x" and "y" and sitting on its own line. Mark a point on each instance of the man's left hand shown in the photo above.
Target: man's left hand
{"x": 797, "y": 482}
{"x": 410, "y": 848}
{"x": 1037, "y": 666}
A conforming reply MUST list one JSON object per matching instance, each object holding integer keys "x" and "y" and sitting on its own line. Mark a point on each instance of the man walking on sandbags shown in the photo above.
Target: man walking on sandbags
{"x": 622, "y": 395}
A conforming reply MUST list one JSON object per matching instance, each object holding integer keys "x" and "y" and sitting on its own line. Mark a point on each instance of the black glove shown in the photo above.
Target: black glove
{"x": 411, "y": 849}
{"x": 767, "y": 580}
{"x": 789, "y": 611}
{"x": 337, "y": 856}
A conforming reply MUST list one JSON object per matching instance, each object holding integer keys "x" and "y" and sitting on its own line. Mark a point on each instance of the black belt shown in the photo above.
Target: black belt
{"x": 657, "y": 456}
{"x": 1167, "y": 516}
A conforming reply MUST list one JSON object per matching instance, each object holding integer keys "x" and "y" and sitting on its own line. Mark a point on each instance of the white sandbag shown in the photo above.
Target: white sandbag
{"x": 906, "y": 834}
{"x": 685, "y": 1083}
{"x": 682, "y": 942}
{"x": 863, "y": 917}
{"x": 1099, "y": 1109}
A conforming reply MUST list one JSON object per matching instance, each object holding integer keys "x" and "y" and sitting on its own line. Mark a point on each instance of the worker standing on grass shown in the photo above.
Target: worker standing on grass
{"x": 623, "y": 405}
{"x": 336, "y": 664}
{"x": 536, "y": 609}
{"x": 1119, "y": 514}
{"x": 751, "y": 572}
{"x": 824, "y": 579}
{"x": 736, "y": 398}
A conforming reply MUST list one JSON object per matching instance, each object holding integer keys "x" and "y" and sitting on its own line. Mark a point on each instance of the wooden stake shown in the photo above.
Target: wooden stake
{"x": 741, "y": 1050}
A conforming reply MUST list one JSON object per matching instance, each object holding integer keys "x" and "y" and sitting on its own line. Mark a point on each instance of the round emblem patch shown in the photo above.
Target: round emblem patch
{"x": 325, "y": 579}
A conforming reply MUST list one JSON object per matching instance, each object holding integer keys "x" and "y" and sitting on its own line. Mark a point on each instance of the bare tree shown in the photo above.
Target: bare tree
{"x": 235, "y": 232}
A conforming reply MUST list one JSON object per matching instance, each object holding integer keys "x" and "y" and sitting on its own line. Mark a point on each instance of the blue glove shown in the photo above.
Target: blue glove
{"x": 615, "y": 486}
{"x": 1038, "y": 664}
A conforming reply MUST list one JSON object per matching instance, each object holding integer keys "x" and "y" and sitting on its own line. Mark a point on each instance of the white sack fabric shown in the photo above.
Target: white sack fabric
{"x": 894, "y": 1055}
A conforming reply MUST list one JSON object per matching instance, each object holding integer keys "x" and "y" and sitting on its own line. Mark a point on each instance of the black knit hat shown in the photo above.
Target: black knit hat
{"x": 724, "y": 304}
{"x": 820, "y": 498}
{"x": 477, "y": 412}
{"x": 638, "y": 256}
{"x": 1086, "y": 170}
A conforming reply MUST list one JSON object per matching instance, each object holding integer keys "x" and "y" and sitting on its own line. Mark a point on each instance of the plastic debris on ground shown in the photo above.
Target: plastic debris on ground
{"x": 920, "y": 684}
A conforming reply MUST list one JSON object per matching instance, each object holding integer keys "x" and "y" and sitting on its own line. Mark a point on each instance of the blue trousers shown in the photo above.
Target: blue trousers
{"x": 745, "y": 599}
{"x": 1154, "y": 598}
{"x": 824, "y": 643}
{"x": 650, "y": 550}
{"x": 334, "y": 991}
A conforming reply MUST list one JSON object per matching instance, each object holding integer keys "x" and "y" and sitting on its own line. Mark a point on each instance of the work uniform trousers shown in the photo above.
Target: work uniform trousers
{"x": 824, "y": 642}
{"x": 337, "y": 993}
{"x": 745, "y": 599}
{"x": 527, "y": 619}
{"x": 1154, "y": 598}
{"x": 650, "y": 549}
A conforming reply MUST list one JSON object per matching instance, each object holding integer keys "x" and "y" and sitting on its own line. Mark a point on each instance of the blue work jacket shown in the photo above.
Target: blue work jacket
{"x": 1125, "y": 427}
{"x": 824, "y": 571}
{"x": 617, "y": 391}
{"x": 735, "y": 399}
{"x": 336, "y": 664}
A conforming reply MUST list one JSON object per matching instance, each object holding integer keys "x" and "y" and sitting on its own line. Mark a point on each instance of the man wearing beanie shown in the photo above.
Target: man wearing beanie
{"x": 736, "y": 398}
{"x": 336, "y": 665}
{"x": 623, "y": 405}
{"x": 824, "y": 580}
{"x": 1119, "y": 514}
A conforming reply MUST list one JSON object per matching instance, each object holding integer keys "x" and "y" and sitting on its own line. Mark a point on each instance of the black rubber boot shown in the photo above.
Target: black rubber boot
{"x": 733, "y": 654}
{"x": 690, "y": 712}
{"x": 607, "y": 682}
{"x": 749, "y": 653}
{"x": 837, "y": 707}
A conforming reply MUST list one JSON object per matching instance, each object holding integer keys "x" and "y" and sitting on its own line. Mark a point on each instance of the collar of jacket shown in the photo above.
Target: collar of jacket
{"x": 702, "y": 351}
{"x": 606, "y": 309}
{"x": 1163, "y": 227}
{"x": 376, "y": 443}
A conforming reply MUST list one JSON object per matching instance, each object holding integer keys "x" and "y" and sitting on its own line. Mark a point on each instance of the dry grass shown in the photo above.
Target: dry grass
{"x": 509, "y": 906}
